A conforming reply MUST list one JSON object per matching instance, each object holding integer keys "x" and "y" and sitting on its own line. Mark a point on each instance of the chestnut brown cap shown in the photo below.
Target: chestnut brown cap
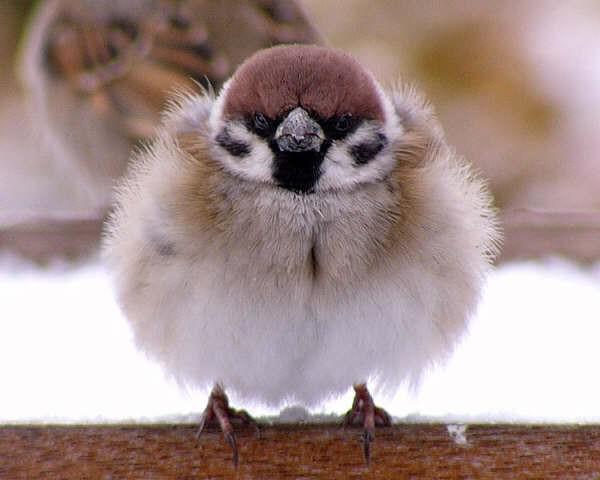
{"x": 324, "y": 81}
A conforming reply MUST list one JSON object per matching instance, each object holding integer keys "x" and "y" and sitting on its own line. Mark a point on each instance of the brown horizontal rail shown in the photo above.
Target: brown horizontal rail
{"x": 420, "y": 451}
{"x": 528, "y": 234}
{"x": 42, "y": 237}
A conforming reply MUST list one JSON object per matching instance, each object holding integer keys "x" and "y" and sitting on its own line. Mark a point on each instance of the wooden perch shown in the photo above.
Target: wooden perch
{"x": 423, "y": 451}
{"x": 528, "y": 234}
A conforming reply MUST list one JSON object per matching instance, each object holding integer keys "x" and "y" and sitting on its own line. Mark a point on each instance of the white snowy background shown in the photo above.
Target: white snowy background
{"x": 532, "y": 353}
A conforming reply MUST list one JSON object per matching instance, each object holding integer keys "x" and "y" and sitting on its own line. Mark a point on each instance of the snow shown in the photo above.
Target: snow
{"x": 531, "y": 355}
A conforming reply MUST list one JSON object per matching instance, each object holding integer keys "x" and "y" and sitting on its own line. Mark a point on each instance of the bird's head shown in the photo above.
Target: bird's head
{"x": 305, "y": 118}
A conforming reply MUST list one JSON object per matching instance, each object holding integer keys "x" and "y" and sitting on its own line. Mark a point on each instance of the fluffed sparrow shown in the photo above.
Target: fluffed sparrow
{"x": 302, "y": 231}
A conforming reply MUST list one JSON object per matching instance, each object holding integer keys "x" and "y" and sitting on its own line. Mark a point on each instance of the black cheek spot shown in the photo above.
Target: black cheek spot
{"x": 235, "y": 147}
{"x": 365, "y": 152}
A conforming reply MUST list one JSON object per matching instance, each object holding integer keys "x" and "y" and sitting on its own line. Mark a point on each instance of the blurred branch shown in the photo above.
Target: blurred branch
{"x": 531, "y": 233}
{"x": 528, "y": 234}
{"x": 41, "y": 237}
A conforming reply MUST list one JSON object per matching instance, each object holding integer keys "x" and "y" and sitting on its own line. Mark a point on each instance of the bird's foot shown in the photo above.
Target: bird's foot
{"x": 366, "y": 414}
{"x": 219, "y": 412}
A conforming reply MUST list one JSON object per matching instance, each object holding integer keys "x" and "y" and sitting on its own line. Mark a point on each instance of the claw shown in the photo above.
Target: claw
{"x": 201, "y": 425}
{"x": 230, "y": 437}
{"x": 367, "y": 438}
{"x": 218, "y": 411}
{"x": 365, "y": 412}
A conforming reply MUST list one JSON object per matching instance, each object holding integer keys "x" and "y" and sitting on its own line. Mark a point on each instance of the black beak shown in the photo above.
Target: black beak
{"x": 299, "y": 133}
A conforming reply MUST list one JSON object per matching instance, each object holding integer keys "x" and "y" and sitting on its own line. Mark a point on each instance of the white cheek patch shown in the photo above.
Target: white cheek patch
{"x": 245, "y": 154}
{"x": 340, "y": 168}
{"x": 254, "y": 165}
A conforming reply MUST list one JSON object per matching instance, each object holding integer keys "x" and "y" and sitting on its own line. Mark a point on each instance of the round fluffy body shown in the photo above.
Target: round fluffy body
{"x": 281, "y": 296}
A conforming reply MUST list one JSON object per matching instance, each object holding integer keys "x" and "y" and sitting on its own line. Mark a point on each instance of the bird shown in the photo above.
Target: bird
{"x": 97, "y": 73}
{"x": 303, "y": 231}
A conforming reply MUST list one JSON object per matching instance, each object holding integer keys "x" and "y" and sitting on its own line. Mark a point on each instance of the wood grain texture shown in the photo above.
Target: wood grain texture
{"x": 420, "y": 451}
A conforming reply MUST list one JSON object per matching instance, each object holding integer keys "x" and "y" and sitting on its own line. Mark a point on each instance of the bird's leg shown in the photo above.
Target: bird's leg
{"x": 218, "y": 411}
{"x": 365, "y": 413}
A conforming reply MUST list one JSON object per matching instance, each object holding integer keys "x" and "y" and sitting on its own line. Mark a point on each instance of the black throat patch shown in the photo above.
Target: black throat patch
{"x": 298, "y": 171}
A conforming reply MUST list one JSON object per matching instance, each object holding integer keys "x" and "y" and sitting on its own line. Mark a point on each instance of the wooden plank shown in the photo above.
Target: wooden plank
{"x": 423, "y": 451}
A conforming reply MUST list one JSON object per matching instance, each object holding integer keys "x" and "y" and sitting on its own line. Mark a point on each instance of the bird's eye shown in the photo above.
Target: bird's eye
{"x": 261, "y": 123}
{"x": 343, "y": 123}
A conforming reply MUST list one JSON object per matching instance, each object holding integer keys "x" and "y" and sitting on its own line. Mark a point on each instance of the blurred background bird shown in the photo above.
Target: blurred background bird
{"x": 98, "y": 72}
